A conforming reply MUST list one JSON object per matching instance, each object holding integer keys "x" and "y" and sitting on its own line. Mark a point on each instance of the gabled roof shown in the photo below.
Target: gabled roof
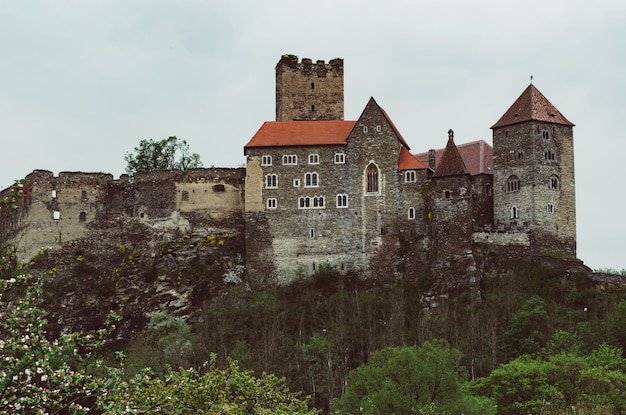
{"x": 451, "y": 163}
{"x": 391, "y": 124}
{"x": 477, "y": 157}
{"x": 301, "y": 133}
{"x": 531, "y": 106}
{"x": 408, "y": 161}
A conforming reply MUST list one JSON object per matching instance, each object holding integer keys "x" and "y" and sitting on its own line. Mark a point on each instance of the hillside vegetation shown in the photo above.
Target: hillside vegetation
{"x": 536, "y": 321}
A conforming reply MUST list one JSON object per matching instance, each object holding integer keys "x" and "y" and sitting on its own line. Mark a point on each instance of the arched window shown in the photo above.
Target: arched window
{"x": 513, "y": 184}
{"x": 311, "y": 180}
{"x": 271, "y": 181}
{"x": 554, "y": 182}
{"x": 342, "y": 201}
{"x": 514, "y": 212}
{"x": 82, "y": 216}
{"x": 372, "y": 178}
{"x": 549, "y": 155}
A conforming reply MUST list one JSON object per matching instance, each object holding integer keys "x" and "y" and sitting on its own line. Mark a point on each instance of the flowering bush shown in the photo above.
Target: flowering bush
{"x": 40, "y": 375}
{"x": 14, "y": 194}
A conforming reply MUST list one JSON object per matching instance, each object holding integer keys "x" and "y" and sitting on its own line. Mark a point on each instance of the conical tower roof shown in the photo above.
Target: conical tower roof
{"x": 451, "y": 163}
{"x": 531, "y": 106}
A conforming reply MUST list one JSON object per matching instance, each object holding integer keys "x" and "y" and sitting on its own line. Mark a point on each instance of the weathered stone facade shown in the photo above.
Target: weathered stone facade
{"x": 318, "y": 190}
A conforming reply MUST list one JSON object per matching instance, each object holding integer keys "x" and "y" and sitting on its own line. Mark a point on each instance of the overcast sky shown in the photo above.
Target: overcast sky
{"x": 83, "y": 81}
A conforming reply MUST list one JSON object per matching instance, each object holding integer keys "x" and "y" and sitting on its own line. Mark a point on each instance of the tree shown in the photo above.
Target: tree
{"x": 40, "y": 375}
{"x": 187, "y": 392}
{"x": 168, "y": 154}
{"x": 408, "y": 379}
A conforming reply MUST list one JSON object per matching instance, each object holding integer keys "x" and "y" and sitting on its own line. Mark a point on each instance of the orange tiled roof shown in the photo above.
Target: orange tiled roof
{"x": 301, "y": 133}
{"x": 477, "y": 157}
{"x": 531, "y": 106}
{"x": 408, "y": 161}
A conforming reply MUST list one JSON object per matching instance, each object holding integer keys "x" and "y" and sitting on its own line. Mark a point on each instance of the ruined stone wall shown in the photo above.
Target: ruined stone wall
{"x": 309, "y": 91}
{"x": 63, "y": 208}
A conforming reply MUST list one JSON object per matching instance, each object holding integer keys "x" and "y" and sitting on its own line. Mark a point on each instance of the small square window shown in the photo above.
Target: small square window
{"x": 378, "y": 129}
{"x": 56, "y": 215}
{"x": 296, "y": 182}
{"x": 271, "y": 203}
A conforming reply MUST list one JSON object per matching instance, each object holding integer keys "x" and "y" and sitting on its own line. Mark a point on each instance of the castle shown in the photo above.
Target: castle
{"x": 318, "y": 189}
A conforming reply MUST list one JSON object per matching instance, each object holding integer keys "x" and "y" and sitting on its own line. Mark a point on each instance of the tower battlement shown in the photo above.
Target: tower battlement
{"x": 309, "y": 91}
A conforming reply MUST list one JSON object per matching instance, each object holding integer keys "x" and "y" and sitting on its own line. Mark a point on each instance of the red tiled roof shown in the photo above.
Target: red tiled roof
{"x": 477, "y": 157}
{"x": 393, "y": 126}
{"x": 531, "y": 105}
{"x": 408, "y": 161}
{"x": 301, "y": 133}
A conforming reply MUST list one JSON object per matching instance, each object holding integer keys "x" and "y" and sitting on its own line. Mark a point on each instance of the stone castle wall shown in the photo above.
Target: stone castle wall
{"x": 57, "y": 209}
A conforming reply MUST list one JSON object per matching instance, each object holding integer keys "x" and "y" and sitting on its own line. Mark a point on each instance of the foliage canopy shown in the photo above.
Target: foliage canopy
{"x": 170, "y": 153}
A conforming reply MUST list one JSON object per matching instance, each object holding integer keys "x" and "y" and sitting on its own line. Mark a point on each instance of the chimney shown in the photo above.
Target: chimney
{"x": 431, "y": 159}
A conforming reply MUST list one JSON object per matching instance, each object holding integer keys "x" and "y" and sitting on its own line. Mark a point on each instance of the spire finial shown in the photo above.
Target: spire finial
{"x": 531, "y": 79}
{"x": 450, "y": 134}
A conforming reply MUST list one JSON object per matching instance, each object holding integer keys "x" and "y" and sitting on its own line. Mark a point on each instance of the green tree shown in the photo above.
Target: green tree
{"x": 187, "y": 392}
{"x": 168, "y": 154}
{"x": 405, "y": 380}
{"x": 528, "y": 330}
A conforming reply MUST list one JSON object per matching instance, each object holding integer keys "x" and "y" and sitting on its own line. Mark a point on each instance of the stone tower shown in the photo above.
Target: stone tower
{"x": 533, "y": 160}
{"x": 307, "y": 90}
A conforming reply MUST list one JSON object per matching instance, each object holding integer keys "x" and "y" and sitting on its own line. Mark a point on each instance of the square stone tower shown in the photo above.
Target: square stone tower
{"x": 309, "y": 91}
{"x": 533, "y": 160}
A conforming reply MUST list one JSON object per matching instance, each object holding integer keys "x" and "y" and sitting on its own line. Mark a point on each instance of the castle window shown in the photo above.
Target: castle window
{"x": 271, "y": 203}
{"x": 185, "y": 196}
{"x": 488, "y": 189}
{"x": 219, "y": 188}
{"x": 447, "y": 194}
{"x": 290, "y": 159}
{"x": 312, "y": 235}
{"x": 296, "y": 182}
{"x": 56, "y": 215}
{"x": 54, "y": 194}
{"x": 378, "y": 128}
{"x": 549, "y": 155}
{"x": 409, "y": 176}
{"x": 314, "y": 159}
{"x": 83, "y": 195}
{"x": 520, "y": 155}
{"x": 513, "y": 184}
{"x": 550, "y": 208}
{"x": 342, "y": 201}
{"x": 266, "y": 161}
{"x": 545, "y": 134}
{"x": 340, "y": 158}
{"x": 372, "y": 178}
{"x": 311, "y": 180}
{"x": 82, "y": 216}
{"x": 271, "y": 181}
{"x": 365, "y": 128}
{"x": 514, "y": 212}
{"x": 411, "y": 213}
{"x": 554, "y": 183}
{"x": 312, "y": 85}
{"x": 312, "y": 108}
{"x": 306, "y": 202}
